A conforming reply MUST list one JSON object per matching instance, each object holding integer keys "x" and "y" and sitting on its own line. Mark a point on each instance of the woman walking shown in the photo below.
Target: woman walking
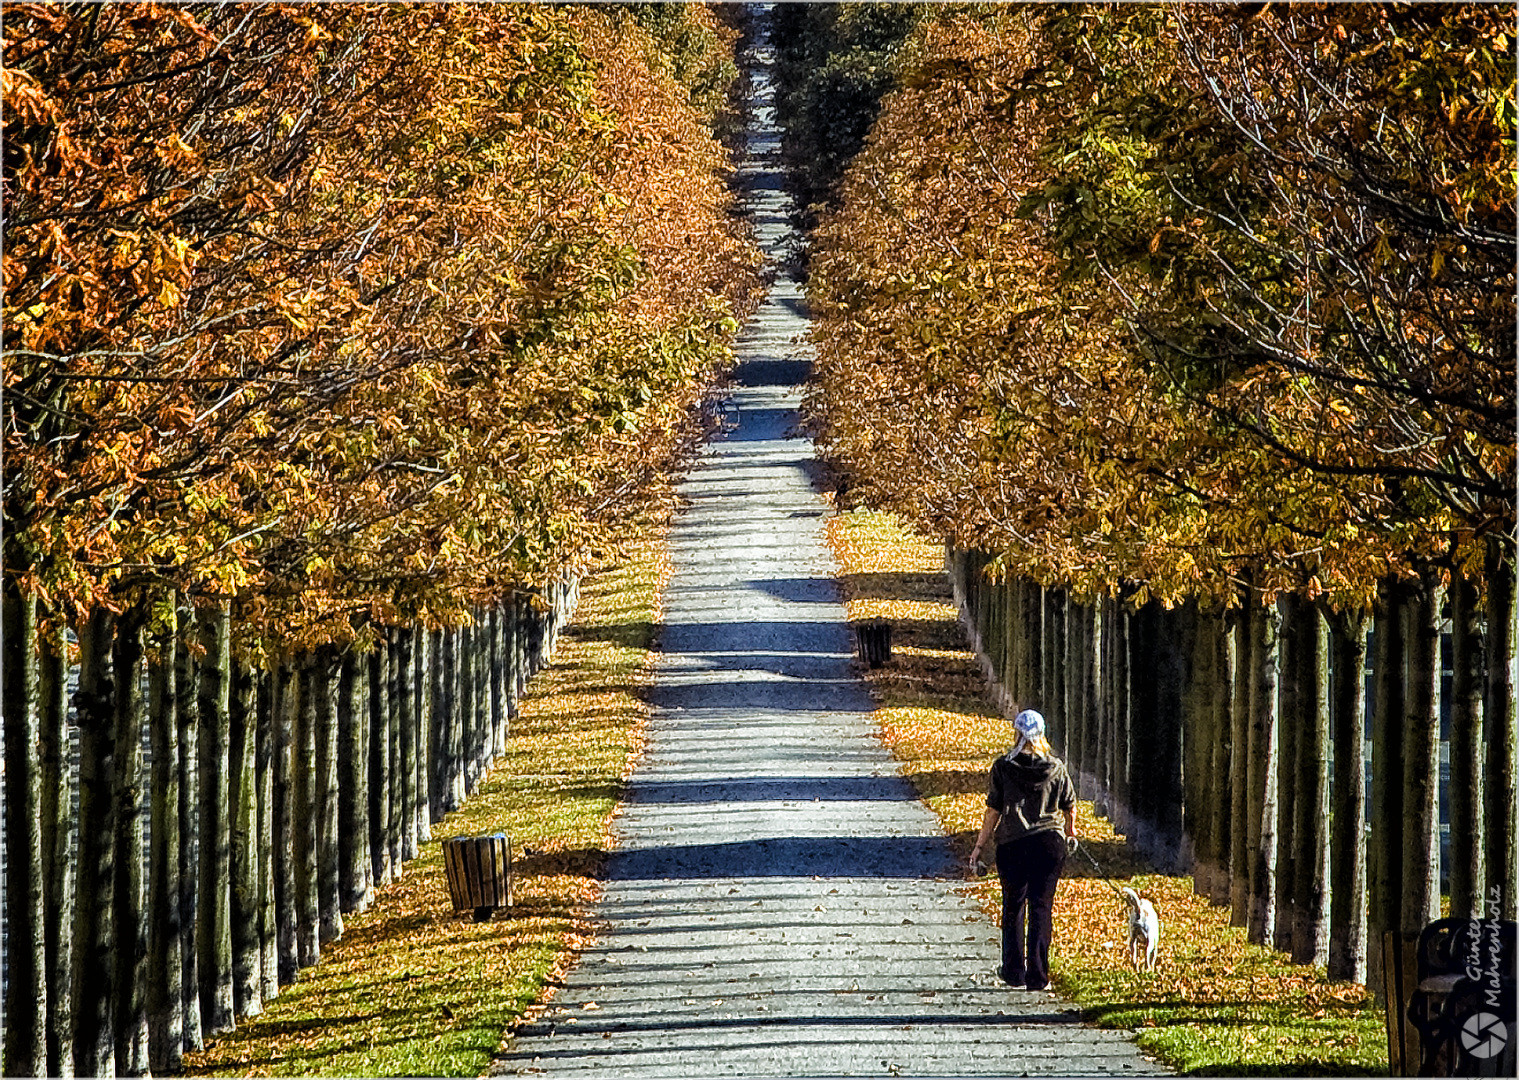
{"x": 1028, "y": 799}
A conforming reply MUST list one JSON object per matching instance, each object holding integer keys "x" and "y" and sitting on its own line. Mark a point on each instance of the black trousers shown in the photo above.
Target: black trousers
{"x": 1029, "y": 868}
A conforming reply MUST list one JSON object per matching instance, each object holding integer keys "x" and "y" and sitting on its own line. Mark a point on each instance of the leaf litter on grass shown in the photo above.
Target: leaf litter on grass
{"x": 413, "y": 989}
{"x": 1216, "y": 1003}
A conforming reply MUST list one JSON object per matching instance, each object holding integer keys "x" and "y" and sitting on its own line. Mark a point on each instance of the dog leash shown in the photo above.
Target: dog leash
{"x": 1102, "y": 875}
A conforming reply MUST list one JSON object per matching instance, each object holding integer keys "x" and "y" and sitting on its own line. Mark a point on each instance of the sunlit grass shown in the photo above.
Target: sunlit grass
{"x": 412, "y": 989}
{"x": 1216, "y": 1004}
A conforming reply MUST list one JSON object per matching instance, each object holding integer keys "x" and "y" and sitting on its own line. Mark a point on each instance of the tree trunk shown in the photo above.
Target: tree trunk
{"x": 1143, "y": 717}
{"x": 1220, "y": 762}
{"x": 1264, "y": 627}
{"x": 464, "y": 728}
{"x": 166, "y": 1018}
{"x": 1102, "y": 706}
{"x": 406, "y": 744}
{"x": 287, "y": 709}
{"x": 482, "y": 733}
{"x": 1384, "y": 855}
{"x": 1118, "y": 770}
{"x": 1175, "y": 629}
{"x": 421, "y": 676}
{"x": 57, "y": 829}
{"x": 1466, "y": 756}
{"x": 1241, "y": 720}
{"x": 244, "y": 895}
{"x": 497, "y": 748}
{"x": 1199, "y": 737}
{"x": 1421, "y": 762}
{"x": 187, "y": 719}
{"x": 1501, "y": 782}
{"x": 305, "y": 813}
{"x": 445, "y": 722}
{"x": 1310, "y": 850}
{"x": 519, "y": 647}
{"x": 1056, "y": 664}
{"x": 1090, "y": 678}
{"x": 1290, "y": 721}
{"x": 26, "y": 990}
{"x": 1347, "y": 893}
{"x": 93, "y": 986}
{"x": 1031, "y": 653}
{"x": 213, "y": 925}
{"x": 129, "y": 914}
{"x": 1049, "y": 701}
{"x": 1075, "y": 722}
{"x": 395, "y": 672}
{"x": 325, "y": 790}
{"x": 268, "y": 912}
{"x": 354, "y": 862}
{"x": 379, "y": 761}
{"x": 440, "y": 685}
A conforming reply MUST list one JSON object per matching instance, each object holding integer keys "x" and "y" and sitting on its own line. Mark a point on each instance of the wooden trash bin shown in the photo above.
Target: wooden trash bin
{"x": 872, "y": 640}
{"x": 479, "y": 870}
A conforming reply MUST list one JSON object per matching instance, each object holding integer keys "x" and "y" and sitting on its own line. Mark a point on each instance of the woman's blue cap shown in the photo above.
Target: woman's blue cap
{"x": 1029, "y": 724}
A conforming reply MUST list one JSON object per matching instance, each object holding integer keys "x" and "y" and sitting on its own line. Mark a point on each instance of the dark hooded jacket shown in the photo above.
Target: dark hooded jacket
{"x": 1030, "y": 793}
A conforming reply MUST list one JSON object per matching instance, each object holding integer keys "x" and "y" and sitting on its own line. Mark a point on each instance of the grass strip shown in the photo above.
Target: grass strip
{"x": 412, "y": 989}
{"x": 1217, "y": 1005}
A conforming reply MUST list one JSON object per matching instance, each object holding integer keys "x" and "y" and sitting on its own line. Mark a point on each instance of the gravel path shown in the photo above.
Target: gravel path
{"x": 780, "y": 904}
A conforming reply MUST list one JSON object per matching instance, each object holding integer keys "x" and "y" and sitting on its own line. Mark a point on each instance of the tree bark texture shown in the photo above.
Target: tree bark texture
{"x": 1500, "y": 818}
{"x": 245, "y": 894}
{"x": 1264, "y": 629}
{"x": 379, "y": 763}
{"x": 1220, "y": 764}
{"x": 395, "y": 692}
{"x": 1421, "y": 761}
{"x": 1119, "y": 686}
{"x": 26, "y": 992}
{"x": 94, "y": 944}
{"x": 325, "y": 792}
{"x": 482, "y": 728}
{"x": 165, "y": 976}
{"x": 496, "y": 619}
{"x": 354, "y": 863}
{"x": 1240, "y": 726}
{"x": 214, "y": 911}
{"x": 1310, "y": 848}
{"x": 406, "y": 744}
{"x": 303, "y": 815}
{"x": 57, "y": 823}
{"x": 187, "y": 721}
{"x": 268, "y": 913}
{"x": 1347, "y": 893}
{"x": 1289, "y": 725}
{"x": 130, "y": 914}
{"x": 1384, "y": 854}
{"x": 287, "y": 707}
{"x": 1466, "y": 753}
{"x": 423, "y": 660}
{"x": 463, "y": 733}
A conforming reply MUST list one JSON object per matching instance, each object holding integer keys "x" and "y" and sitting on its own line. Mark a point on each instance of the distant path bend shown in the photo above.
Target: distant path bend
{"x": 780, "y": 903}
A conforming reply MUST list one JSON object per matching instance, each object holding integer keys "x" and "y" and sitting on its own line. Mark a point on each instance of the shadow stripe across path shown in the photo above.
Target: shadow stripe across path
{"x": 780, "y": 903}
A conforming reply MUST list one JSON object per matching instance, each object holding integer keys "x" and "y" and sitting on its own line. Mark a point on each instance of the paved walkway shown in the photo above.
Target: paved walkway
{"x": 780, "y": 903}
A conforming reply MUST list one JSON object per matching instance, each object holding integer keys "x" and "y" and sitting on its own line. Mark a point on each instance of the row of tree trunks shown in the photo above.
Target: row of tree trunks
{"x": 191, "y": 885}
{"x": 1236, "y": 746}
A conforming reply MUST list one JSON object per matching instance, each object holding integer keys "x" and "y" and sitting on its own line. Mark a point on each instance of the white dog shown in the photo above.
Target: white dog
{"x": 1144, "y": 931}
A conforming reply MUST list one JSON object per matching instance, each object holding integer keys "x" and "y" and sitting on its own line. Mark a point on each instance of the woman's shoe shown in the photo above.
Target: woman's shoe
{"x": 1003, "y": 975}
{"x": 1046, "y": 986}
